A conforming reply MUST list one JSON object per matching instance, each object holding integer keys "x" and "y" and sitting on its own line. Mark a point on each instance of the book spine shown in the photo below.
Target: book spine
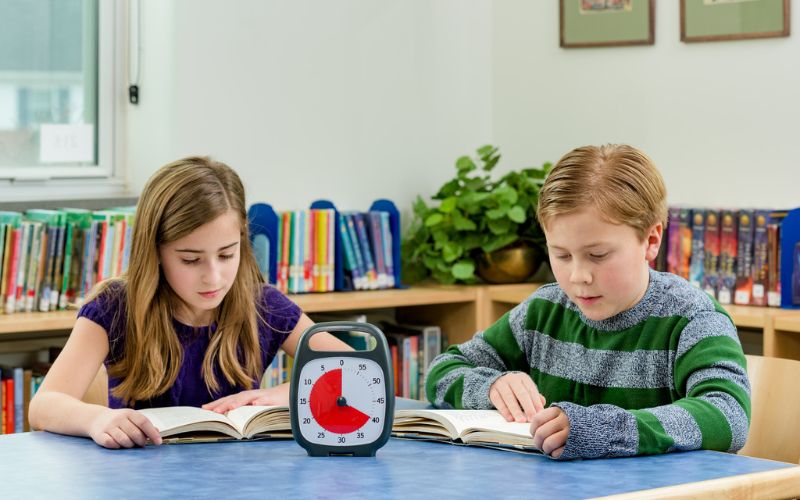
{"x": 69, "y": 240}
{"x": 711, "y": 259}
{"x": 698, "y": 253}
{"x": 376, "y": 238}
{"x": 314, "y": 266}
{"x": 351, "y": 230}
{"x": 58, "y": 265}
{"x": 386, "y": 231}
{"x": 760, "y": 258}
{"x": 347, "y": 246}
{"x": 32, "y": 281}
{"x": 361, "y": 230}
{"x": 18, "y": 376}
{"x": 685, "y": 228}
{"x": 774, "y": 265}
{"x": 727, "y": 256}
{"x": 13, "y": 262}
{"x": 674, "y": 245}
{"x": 22, "y": 266}
{"x": 330, "y": 255}
{"x": 744, "y": 259}
{"x": 318, "y": 249}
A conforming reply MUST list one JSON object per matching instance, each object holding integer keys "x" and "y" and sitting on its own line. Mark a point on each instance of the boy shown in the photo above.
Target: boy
{"x": 632, "y": 361}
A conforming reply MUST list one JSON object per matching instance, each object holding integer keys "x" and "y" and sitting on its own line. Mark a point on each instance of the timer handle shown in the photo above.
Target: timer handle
{"x": 344, "y": 326}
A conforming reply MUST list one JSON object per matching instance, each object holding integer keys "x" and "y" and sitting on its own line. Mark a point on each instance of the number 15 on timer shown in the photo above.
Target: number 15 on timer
{"x": 342, "y": 402}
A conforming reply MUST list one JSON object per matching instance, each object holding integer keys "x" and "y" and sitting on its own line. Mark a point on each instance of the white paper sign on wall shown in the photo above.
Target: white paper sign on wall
{"x": 66, "y": 143}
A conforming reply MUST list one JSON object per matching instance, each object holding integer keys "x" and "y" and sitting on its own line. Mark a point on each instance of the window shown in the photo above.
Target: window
{"x": 57, "y": 119}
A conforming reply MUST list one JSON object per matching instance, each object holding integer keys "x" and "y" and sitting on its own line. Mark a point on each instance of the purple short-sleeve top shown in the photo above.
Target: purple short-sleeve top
{"x": 109, "y": 311}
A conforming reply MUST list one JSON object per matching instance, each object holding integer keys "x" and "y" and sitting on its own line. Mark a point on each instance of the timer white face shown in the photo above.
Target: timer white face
{"x": 341, "y": 401}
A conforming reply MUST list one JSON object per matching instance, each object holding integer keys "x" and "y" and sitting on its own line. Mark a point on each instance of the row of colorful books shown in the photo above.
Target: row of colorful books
{"x": 50, "y": 259}
{"x": 734, "y": 255}
{"x": 17, "y": 387}
{"x": 324, "y": 249}
{"x": 307, "y": 250}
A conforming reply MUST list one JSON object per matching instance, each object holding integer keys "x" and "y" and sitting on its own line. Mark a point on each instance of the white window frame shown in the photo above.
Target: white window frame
{"x": 107, "y": 177}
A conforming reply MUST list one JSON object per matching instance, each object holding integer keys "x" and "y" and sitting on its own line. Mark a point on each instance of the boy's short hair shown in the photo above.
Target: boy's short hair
{"x": 617, "y": 179}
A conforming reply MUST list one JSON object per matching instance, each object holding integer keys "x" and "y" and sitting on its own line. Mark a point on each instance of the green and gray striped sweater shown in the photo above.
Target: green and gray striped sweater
{"x": 668, "y": 374}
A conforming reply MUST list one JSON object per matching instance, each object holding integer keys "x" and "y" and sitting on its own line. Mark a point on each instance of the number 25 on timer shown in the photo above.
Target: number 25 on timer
{"x": 342, "y": 402}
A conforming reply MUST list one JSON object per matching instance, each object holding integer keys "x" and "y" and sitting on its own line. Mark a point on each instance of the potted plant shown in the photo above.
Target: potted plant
{"x": 472, "y": 220}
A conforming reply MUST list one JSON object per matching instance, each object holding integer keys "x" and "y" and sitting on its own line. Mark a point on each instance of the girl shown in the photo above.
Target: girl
{"x": 191, "y": 323}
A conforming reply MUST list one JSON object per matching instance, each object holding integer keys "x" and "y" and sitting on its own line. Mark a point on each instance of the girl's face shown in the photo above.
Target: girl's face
{"x": 202, "y": 266}
{"x": 603, "y": 267}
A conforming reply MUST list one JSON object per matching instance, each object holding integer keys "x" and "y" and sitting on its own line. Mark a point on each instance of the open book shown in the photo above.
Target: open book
{"x": 189, "y": 424}
{"x": 471, "y": 427}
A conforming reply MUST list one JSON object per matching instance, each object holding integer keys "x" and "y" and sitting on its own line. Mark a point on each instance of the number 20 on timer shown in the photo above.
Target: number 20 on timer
{"x": 342, "y": 402}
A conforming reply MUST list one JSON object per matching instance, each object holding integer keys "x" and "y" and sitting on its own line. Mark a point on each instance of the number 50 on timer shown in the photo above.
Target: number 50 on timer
{"x": 342, "y": 402}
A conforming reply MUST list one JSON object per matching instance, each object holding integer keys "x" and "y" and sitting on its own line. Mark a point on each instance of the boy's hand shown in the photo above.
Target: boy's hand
{"x": 273, "y": 396}
{"x": 123, "y": 428}
{"x": 516, "y": 397}
{"x": 550, "y": 429}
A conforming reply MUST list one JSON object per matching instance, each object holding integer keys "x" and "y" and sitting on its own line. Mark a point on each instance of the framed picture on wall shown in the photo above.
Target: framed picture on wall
{"x": 602, "y": 23}
{"x": 712, "y": 20}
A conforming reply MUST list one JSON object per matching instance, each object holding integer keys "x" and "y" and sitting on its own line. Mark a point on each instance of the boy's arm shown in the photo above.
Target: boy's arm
{"x": 462, "y": 375}
{"x": 712, "y": 412}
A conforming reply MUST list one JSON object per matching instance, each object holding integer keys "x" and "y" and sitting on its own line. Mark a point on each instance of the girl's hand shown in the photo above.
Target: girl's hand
{"x": 123, "y": 428}
{"x": 516, "y": 397}
{"x": 273, "y": 396}
{"x": 550, "y": 430}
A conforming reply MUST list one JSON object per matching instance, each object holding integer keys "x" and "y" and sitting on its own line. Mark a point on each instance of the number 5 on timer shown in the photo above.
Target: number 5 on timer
{"x": 342, "y": 402}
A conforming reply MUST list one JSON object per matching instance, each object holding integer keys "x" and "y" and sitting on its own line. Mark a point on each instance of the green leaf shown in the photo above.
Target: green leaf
{"x": 464, "y": 224}
{"x": 465, "y": 164}
{"x": 506, "y": 194}
{"x": 499, "y": 226}
{"x": 448, "y": 189}
{"x": 499, "y": 242}
{"x": 451, "y": 252}
{"x": 433, "y": 219}
{"x": 448, "y": 204}
{"x": 463, "y": 269}
{"x": 496, "y": 213}
{"x": 517, "y": 214}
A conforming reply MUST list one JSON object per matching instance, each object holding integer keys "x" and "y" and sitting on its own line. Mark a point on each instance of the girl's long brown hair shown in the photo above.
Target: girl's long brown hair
{"x": 179, "y": 198}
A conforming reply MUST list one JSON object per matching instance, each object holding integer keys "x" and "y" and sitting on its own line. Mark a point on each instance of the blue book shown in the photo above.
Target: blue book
{"x": 18, "y": 403}
{"x": 362, "y": 268}
{"x": 363, "y": 240}
{"x": 350, "y": 263}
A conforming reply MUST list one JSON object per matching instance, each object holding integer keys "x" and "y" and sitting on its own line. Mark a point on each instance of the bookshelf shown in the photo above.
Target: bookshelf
{"x": 459, "y": 310}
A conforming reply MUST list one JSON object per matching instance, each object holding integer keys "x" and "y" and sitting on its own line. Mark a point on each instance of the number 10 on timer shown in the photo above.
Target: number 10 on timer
{"x": 342, "y": 402}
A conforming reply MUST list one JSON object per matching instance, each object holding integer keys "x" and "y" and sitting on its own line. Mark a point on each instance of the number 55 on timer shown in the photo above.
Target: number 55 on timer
{"x": 342, "y": 402}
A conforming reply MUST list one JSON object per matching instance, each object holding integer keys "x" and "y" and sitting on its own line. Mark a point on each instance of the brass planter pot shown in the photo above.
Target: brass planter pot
{"x": 509, "y": 265}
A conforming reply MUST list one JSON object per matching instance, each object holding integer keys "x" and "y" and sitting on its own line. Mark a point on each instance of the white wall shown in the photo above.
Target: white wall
{"x": 347, "y": 100}
{"x": 720, "y": 119}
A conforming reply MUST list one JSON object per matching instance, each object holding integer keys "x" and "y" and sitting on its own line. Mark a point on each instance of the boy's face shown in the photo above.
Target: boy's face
{"x": 603, "y": 267}
{"x": 202, "y": 266}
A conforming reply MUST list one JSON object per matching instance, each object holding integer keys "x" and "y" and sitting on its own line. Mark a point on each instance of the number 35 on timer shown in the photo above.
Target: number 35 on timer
{"x": 342, "y": 402}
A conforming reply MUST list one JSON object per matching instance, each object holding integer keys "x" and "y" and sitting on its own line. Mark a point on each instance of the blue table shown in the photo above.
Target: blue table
{"x": 44, "y": 465}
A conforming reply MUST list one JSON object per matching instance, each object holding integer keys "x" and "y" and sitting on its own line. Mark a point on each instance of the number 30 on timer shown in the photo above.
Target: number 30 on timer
{"x": 342, "y": 402}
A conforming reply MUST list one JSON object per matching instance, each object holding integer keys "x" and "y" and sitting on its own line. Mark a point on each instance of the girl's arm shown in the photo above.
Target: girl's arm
{"x": 279, "y": 395}
{"x": 57, "y": 405}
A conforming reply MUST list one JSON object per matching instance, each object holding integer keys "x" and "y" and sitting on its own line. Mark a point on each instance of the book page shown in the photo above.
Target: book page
{"x": 177, "y": 418}
{"x": 461, "y": 422}
{"x": 249, "y": 419}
